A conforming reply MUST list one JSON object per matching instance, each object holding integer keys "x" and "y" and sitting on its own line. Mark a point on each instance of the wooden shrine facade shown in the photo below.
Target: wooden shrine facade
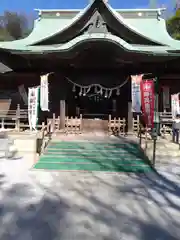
{"x": 94, "y": 46}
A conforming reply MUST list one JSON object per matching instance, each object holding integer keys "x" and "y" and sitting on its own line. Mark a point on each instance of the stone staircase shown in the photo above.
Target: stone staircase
{"x": 98, "y": 155}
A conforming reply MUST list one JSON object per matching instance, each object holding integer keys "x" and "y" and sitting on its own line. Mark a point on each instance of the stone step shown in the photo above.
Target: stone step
{"x": 92, "y": 167}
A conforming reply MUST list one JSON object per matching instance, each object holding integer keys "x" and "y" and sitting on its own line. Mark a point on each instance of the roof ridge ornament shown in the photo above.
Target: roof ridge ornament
{"x": 96, "y": 24}
{"x": 159, "y": 13}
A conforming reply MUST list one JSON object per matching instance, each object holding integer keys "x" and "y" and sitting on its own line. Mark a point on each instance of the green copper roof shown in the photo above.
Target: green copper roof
{"x": 141, "y": 24}
{"x": 94, "y": 37}
{"x": 154, "y": 29}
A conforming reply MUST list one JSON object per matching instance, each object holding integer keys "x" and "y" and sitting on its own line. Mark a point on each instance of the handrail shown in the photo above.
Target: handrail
{"x": 17, "y": 113}
{"x": 46, "y": 131}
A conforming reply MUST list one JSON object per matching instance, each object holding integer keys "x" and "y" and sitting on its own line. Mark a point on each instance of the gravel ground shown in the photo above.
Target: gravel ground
{"x": 84, "y": 206}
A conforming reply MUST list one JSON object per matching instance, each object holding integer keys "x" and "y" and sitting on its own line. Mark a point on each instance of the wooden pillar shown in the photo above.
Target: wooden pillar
{"x": 62, "y": 113}
{"x": 114, "y": 106}
{"x": 130, "y": 118}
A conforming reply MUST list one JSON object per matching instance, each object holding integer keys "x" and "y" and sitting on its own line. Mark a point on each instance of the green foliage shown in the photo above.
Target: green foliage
{"x": 4, "y": 35}
{"x": 173, "y": 25}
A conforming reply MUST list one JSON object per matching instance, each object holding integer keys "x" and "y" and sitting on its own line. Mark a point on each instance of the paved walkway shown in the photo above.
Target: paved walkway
{"x": 84, "y": 206}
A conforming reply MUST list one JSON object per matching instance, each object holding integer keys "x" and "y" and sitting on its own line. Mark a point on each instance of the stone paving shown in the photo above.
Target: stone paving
{"x": 165, "y": 151}
{"x": 84, "y": 206}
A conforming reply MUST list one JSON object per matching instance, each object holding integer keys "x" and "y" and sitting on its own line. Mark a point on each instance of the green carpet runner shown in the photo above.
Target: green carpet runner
{"x": 97, "y": 156}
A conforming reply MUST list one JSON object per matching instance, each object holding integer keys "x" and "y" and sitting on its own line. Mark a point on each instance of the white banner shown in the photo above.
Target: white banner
{"x": 44, "y": 93}
{"x": 33, "y": 105}
{"x": 136, "y": 93}
{"x": 166, "y": 98}
{"x": 23, "y": 93}
{"x": 175, "y": 105}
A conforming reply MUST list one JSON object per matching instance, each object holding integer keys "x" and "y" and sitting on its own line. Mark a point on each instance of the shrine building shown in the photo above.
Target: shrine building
{"x": 90, "y": 55}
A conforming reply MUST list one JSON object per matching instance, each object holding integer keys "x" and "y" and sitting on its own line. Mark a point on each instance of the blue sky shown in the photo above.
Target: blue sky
{"x": 27, "y": 6}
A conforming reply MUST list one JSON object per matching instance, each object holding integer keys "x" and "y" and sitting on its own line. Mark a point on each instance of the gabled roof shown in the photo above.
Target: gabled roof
{"x": 58, "y": 27}
{"x": 133, "y": 30}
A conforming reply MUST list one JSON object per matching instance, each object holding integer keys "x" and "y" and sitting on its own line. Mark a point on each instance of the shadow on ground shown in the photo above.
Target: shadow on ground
{"x": 22, "y": 217}
{"x": 86, "y": 206}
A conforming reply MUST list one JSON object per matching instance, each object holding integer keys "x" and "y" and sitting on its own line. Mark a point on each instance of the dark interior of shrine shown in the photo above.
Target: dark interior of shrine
{"x": 61, "y": 87}
{"x": 94, "y": 103}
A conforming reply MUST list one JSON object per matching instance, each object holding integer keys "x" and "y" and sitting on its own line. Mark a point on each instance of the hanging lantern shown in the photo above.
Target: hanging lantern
{"x": 101, "y": 91}
{"x": 84, "y": 92}
{"x": 106, "y": 93}
{"x": 110, "y": 93}
{"x": 74, "y": 88}
{"x": 80, "y": 93}
{"x": 118, "y": 92}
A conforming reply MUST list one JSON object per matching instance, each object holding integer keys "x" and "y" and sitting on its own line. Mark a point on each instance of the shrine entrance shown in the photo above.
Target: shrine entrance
{"x": 95, "y": 110}
{"x": 95, "y": 106}
{"x": 91, "y": 95}
{"x": 95, "y": 98}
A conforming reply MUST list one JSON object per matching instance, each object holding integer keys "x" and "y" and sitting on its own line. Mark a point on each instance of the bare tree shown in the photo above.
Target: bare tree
{"x": 4, "y": 34}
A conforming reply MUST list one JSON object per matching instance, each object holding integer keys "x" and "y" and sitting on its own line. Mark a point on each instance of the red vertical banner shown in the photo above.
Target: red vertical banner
{"x": 147, "y": 101}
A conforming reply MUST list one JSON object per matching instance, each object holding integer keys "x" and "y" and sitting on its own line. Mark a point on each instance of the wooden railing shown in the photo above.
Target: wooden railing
{"x": 165, "y": 124}
{"x": 45, "y": 129}
{"x": 45, "y": 132}
{"x": 13, "y": 118}
{"x": 73, "y": 125}
{"x": 116, "y": 126}
{"x": 166, "y": 121}
{"x": 53, "y": 123}
{"x": 136, "y": 125}
{"x": 17, "y": 120}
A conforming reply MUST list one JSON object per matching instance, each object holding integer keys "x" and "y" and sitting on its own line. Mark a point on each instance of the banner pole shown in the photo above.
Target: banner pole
{"x": 154, "y": 151}
{"x": 140, "y": 134}
{"x": 146, "y": 131}
{"x": 155, "y": 127}
{"x": 38, "y": 106}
